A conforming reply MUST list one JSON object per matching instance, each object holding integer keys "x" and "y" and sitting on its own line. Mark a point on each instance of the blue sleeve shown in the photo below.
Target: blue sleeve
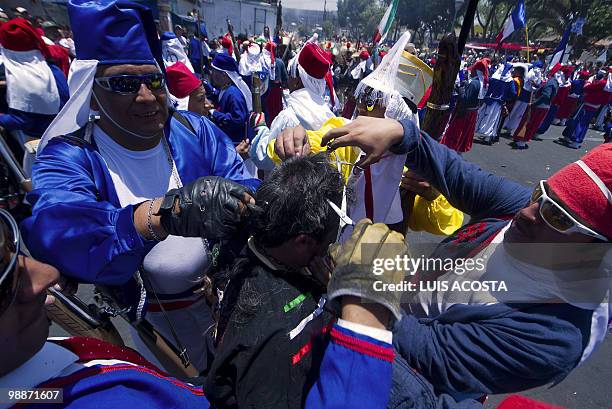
{"x": 510, "y": 91}
{"x": 224, "y": 159}
{"x": 355, "y": 373}
{"x": 494, "y": 348}
{"x": 71, "y": 228}
{"x": 466, "y": 186}
{"x": 235, "y": 114}
{"x": 471, "y": 93}
{"x": 195, "y": 49}
{"x": 30, "y": 123}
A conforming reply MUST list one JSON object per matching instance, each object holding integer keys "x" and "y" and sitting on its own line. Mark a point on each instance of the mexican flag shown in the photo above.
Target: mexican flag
{"x": 385, "y": 24}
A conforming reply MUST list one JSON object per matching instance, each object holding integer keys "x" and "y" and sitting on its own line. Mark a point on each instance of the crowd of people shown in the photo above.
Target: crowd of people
{"x": 232, "y": 198}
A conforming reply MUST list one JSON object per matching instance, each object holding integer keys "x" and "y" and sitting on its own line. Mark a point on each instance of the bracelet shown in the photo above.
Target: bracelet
{"x": 149, "y": 226}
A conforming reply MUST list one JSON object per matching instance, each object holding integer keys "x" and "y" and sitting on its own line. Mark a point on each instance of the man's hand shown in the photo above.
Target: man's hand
{"x": 418, "y": 185}
{"x": 292, "y": 142}
{"x": 361, "y": 270}
{"x": 243, "y": 149}
{"x": 210, "y": 207}
{"x": 373, "y": 135}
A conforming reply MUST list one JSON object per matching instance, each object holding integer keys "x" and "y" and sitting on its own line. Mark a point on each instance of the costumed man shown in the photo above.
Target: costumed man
{"x": 93, "y": 373}
{"x": 198, "y": 49}
{"x": 595, "y": 96}
{"x": 173, "y": 51}
{"x": 305, "y": 103}
{"x": 460, "y": 131}
{"x": 227, "y": 45}
{"x": 110, "y": 169}
{"x": 502, "y": 88}
{"x": 232, "y": 98}
{"x": 536, "y": 112}
{"x": 360, "y": 67}
{"x": 36, "y": 89}
{"x": 187, "y": 89}
{"x": 390, "y": 91}
{"x": 605, "y": 109}
{"x": 549, "y": 245}
{"x": 531, "y": 82}
{"x": 563, "y": 77}
{"x": 568, "y": 107}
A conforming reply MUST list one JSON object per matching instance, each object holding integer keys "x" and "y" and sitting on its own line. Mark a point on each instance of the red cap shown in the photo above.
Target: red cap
{"x": 19, "y": 35}
{"x": 584, "y": 74}
{"x": 382, "y": 54}
{"x": 226, "y": 42}
{"x": 567, "y": 70}
{"x": 364, "y": 55}
{"x": 181, "y": 81}
{"x": 314, "y": 60}
{"x": 581, "y": 193}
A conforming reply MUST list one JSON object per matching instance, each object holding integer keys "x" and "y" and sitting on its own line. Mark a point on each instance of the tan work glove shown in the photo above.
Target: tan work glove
{"x": 358, "y": 269}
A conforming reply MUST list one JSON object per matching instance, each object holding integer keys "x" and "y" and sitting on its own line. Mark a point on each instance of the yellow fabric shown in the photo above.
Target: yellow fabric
{"x": 346, "y": 154}
{"x": 435, "y": 217}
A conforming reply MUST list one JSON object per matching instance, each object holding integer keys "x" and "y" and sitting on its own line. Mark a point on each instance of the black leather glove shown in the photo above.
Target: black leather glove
{"x": 208, "y": 207}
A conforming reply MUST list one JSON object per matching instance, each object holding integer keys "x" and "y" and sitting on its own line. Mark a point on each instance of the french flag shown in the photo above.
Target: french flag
{"x": 560, "y": 50}
{"x": 516, "y": 21}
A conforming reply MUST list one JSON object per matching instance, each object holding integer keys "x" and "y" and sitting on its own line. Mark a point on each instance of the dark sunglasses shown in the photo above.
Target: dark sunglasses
{"x": 130, "y": 84}
{"x": 10, "y": 252}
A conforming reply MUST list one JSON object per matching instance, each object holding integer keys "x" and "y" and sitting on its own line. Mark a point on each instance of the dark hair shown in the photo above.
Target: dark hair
{"x": 294, "y": 200}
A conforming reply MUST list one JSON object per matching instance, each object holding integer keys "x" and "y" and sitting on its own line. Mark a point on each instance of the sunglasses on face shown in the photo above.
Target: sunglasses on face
{"x": 556, "y": 217}
{"x": 9, "y": 279}
{"x": 130, "y": 84}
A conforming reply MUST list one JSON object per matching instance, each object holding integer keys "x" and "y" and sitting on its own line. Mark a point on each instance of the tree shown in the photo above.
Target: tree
{"x": 361, "y": 16}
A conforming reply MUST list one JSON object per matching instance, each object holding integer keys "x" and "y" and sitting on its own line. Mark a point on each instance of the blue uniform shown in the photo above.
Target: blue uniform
{"x": 33, "y": 124}
{"x": 232, "y": 115}
{"x": 87, "y": 234}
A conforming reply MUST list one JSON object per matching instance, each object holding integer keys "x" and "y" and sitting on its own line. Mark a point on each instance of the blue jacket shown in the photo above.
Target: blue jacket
{"x": 495, "y": 348}
{"x": 232, "y": 115}
{"x": 500, "y": 91}
{"x": 35, "y": 124}
{"x": 77, "y": 223}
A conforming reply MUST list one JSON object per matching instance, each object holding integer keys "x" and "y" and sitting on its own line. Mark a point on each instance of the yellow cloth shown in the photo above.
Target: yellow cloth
{"x": 346, "y": 155}
{"x": 435, "y": 217}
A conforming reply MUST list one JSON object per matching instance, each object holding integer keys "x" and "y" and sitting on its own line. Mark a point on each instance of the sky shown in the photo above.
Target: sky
{"x": 310, "y": 4}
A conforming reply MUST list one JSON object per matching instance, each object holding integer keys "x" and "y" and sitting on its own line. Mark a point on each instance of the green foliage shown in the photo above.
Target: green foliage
{"x": 360, "y": 16}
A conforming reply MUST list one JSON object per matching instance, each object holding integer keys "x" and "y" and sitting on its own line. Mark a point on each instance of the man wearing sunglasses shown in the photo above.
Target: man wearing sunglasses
{"x": 550, "y": 245}
{"x": 91, "y": 373}
{"x": 123, "y": 184}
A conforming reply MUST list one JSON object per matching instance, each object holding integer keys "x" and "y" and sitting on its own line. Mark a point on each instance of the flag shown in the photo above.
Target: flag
{"x": 557, "y": 56}
{"x": 385, "y": 24}
{"x": 578, "y": 25}
{"x": 515, "y": 21}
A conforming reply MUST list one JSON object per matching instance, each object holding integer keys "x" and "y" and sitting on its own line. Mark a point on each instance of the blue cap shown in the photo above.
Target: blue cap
{"x": 509, "y": 58}
{"x": 114, "y": 32}
{"x": 538, "y": 64}
{"x": 224, "y": 62}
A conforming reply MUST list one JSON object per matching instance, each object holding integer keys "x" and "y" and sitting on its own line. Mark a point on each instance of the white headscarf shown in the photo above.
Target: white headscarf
{"x": 30, "y": 84}
{"x": 173, "y": 51}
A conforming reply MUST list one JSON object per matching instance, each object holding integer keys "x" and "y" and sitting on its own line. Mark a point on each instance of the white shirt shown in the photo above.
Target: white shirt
{"x": 175, "y": 264}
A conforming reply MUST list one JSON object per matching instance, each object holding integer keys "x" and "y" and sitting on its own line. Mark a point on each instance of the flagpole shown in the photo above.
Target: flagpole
{"x": 527, "y": 36}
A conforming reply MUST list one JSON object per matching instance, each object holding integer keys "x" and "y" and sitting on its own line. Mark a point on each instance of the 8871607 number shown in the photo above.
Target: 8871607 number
{"x": 36, "y": 395}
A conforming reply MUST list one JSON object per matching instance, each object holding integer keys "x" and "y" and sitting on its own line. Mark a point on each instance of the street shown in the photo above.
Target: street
{"x": 587, "y": 387}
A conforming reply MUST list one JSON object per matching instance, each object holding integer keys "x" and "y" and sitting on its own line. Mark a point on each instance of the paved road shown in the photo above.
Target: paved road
{"x": 588, "y": 387}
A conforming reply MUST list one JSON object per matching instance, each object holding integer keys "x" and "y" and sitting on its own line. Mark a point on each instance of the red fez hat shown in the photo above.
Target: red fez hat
{"x": 181, "y": 81}
{"x": 314, "y": 60}
{"x": 226, "y": 42}
{"x": 271, "y": 48}
{"x": 364, "y": 55}
{"x": 586, "y": 192}
{"x": 19, "y": 35}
